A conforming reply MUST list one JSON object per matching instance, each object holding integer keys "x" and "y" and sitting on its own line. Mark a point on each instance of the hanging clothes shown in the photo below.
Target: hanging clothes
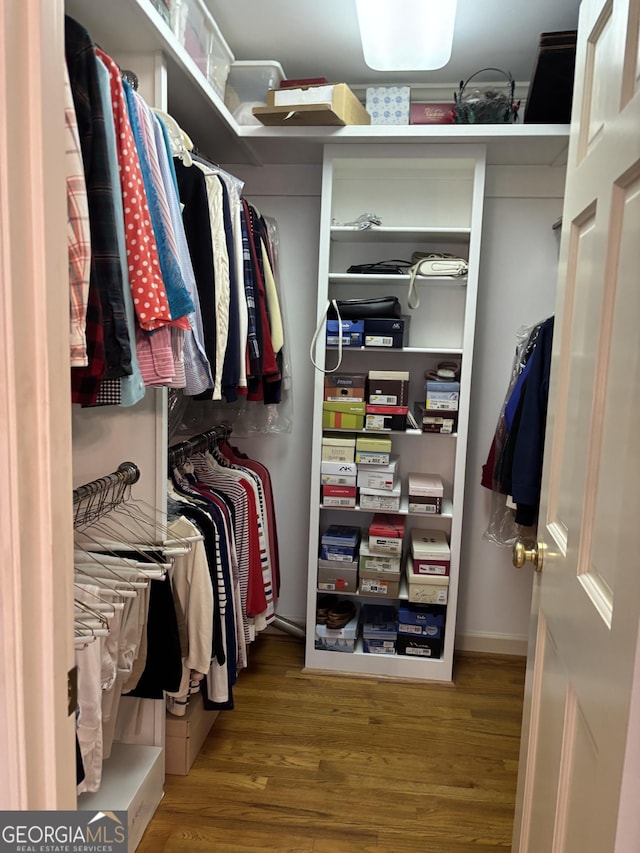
{"x": 514, "y": 463}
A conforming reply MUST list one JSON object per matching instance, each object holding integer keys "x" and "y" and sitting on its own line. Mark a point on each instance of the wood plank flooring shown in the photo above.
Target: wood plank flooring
{"x": 310, "y": 763}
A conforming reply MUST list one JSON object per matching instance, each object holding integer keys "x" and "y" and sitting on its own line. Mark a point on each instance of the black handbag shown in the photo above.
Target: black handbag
{"x": 392, "y": 267}
{"x": 363, "y": 309}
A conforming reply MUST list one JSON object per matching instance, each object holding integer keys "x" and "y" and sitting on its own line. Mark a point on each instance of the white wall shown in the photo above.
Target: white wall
{"x": 517, "y": 287}
{"x": 518, "y": 270}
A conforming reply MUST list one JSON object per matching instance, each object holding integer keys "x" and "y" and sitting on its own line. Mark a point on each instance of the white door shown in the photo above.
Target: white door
{"x": 579, "y": 786}
{"x": 37, "y": 752}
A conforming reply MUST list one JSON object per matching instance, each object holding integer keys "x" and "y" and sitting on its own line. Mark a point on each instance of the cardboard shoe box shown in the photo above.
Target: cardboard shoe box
{"x": 352, "y": 333}
{"x": 442, "y": 396}
{"x": 420, "y": 620}
{"x": 388, "y": 387}
{"x": 381, "y": 500}
{"x": 338, "y": 386}
{"x": 424, "y": 647}
{"x": 332, "y": 104}
{"x": 386, "y": 418}
{"x": 376, "y": 583}
{"x": 341, "y": 450}
{"x": 340, "y": 543}
{"x": 373, "y": 451}
{"x": 428, "y": 420}
{"x": 379, "y": 476}
{"x": 430, "y": 551}
{"x": 335, "y": 576}
{"x": 379, "y": 629}
{"x": 426, "y": 589}
{"x": 185, "y": 736}
{"x": 343, "y": 415}
{"x": 386, "y": 534}
{"x": 375, "y": 562}
{"x": 391, "y": 332}
{"x": 426, "y": 492}
{"x": 338, "y": 639}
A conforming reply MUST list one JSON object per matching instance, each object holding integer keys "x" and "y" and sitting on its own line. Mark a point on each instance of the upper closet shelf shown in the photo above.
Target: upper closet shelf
{"x": 134, "y": 27}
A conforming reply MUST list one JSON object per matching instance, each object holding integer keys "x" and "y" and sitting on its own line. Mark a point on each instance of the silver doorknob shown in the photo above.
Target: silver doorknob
{"x": 522, "y": 554}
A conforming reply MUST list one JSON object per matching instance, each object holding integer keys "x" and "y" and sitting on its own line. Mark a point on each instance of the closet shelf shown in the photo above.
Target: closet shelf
{"x": 398, "y": 234}
{"x": 447, "y": 510}
{"x": 385, "y": 432}
{"x": 431, "y": 281}
{"x": 392, "y": 350}
{"x": 134, "y": 27}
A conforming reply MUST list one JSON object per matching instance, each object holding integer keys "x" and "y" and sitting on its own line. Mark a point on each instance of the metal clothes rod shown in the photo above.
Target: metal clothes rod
{"x": 127, "y": 474}
{"x": 179, "y": 453}
{"x": 96, "y": 498}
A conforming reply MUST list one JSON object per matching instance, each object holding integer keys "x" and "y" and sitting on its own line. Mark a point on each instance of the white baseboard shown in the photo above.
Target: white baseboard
{"x": 493, "y": 644}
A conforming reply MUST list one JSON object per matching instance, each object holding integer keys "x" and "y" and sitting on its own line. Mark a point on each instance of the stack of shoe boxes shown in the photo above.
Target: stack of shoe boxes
{"x": 387, "y": 394}
{"x": 379, "y": 629}
{"x": 421, "y": 630}
{"x": 344, "y": 401}
{"x": 381, "y": 557}
{"x": 439, "y": 413}
{"x": 376, "y": 466}
{"x": 338, "y": 472}
{"x": 428, "y": 567}
{"x": 338, "y": 561}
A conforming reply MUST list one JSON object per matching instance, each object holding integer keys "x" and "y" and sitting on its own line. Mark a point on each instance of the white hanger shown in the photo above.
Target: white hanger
{"x": 179, "y": 140}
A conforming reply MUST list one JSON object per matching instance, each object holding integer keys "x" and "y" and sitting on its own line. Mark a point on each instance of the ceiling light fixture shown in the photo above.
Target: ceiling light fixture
{"x": 406, "y": 35}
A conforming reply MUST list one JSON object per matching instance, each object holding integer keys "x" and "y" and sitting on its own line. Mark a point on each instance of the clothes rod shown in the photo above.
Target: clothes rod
{"x": 179, "y": 453}
{"x": 127, "y": 474}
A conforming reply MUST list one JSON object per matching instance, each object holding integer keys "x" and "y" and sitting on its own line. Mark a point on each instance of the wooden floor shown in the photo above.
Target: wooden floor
{"x": 325, "y": 764}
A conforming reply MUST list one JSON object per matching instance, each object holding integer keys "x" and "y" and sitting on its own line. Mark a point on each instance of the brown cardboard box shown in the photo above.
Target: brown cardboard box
{"x": 343, "y": 108}
{"x": 185, "y": 736}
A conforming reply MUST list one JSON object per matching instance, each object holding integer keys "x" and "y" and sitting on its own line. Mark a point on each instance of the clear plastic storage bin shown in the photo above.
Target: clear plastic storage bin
{"x": 198, "y": 33}
{"x": 250, "y": 80}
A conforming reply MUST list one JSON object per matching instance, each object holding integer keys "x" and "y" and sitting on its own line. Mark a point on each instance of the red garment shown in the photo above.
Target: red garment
{"x": 147, "y": 287}
{"x": 234, "y": 455}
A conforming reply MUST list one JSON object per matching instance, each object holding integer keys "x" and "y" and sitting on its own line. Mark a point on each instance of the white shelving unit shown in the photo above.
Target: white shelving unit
{"x": 429, "y": 197}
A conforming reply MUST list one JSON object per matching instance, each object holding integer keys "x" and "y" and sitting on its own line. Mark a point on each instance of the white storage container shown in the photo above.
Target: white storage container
{"x": 198, "y": 33}
{"x": 248, "y": 84}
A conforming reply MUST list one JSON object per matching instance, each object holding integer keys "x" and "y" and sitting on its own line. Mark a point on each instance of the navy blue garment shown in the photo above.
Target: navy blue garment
{"x": 526, "y": 473}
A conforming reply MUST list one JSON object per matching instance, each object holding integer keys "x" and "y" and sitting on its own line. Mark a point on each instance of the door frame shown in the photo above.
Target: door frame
{"x": 36, "y": 637}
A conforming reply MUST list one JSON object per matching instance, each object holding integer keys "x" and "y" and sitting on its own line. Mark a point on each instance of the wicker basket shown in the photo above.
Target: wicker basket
{"x": 488, "y": 106}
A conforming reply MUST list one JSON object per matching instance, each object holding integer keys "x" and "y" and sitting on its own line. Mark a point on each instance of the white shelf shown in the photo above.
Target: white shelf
{"x": 132, "y": 781}
{"x": 391, "y": 350}
{"x": 135, "y": 27}
{"x": 447, "y": 510}
{"x": 398, "y": 234}
{"x": 385, "y": 432}
{"x": 431, "y": 280}
{"x": 389, "y": 666}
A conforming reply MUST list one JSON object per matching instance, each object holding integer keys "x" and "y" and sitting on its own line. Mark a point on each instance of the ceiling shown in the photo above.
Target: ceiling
{"x": 312, "y": 38}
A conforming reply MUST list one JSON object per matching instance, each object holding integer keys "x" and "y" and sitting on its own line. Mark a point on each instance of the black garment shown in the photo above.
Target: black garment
{"x": 197, "y": 226}
{"x": 231, "y": 366}
{"x": 163, "y": 668}
{"x": 79, "y": 763}
{"x": 106, "y": 271}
